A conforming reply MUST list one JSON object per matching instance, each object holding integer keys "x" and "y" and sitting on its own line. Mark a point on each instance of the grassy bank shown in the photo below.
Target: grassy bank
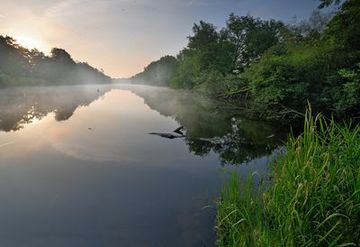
{"x": 313, "y": 199}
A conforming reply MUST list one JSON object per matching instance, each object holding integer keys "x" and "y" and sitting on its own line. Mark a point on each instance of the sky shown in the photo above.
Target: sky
{"x": 123, "y": 36}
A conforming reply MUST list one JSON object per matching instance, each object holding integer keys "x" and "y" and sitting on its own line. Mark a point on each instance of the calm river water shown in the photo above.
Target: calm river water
{"x": 78, "y": 166}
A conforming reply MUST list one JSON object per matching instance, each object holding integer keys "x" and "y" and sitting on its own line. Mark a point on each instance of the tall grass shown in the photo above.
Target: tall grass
{"x": 313, "y": 198}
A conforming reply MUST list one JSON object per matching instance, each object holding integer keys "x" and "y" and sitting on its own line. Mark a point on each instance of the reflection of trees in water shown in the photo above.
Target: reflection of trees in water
{"x": 21, "y": 106}
{"x": 200, "y": 116}
{"x": 209, "y": 125}
{"x": 240, "y": 145}
{"x": 213, "y": 126}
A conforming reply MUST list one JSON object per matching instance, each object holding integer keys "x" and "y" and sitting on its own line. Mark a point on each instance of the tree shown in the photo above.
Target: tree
{"x": 250, "y": 37}
{"x": 62, "y": 56}
{"x": 14, "y": 60}
{"x": 187, "y": 70}
{"x": 211, "y": 48}
{"x": 207, "y": 53}
{"x": 344, "y": 28}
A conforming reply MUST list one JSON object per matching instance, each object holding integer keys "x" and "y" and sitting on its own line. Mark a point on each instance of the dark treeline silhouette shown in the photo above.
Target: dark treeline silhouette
{"x": 21, "y": 66}
{"x": 157, "y": 73}
{"x": 277, "y": 68}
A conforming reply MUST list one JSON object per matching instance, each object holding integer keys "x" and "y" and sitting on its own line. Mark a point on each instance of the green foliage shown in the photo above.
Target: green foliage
{"x": 318, "y": 69}
{"x": 208, "y": 55}
{"x": 239, "y": 216}
{"x": 342, "y": 93}
{"x": 211, "y": 57}
{"x": 250, "y": 37}
{"x": 344, "y": 28}
{"x": 204, "y": 45}
{"x": 186, "y": 71}
{"x": 157, "y": 73}
{"x": 313, "y": 198}
{"x": 20, "y": 66}
{"x": 287, "y": 76}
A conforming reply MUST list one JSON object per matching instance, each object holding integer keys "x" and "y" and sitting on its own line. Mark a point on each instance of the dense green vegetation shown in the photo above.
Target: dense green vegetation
{"x": 20, "y": 66}
{"x": 274, "y": 67}
{"x": 313, "y": 198}
{"x": 157, "y": 73}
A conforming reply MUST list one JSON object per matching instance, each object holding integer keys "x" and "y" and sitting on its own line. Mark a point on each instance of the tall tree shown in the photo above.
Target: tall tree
{"x": 250, "y": 37}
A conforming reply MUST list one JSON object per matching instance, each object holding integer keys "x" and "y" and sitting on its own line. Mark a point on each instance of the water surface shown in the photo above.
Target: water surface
{"x": 78, "y": 166}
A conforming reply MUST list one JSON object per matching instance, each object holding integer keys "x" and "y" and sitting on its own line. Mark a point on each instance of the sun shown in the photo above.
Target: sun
{"x": 28, "y": 42}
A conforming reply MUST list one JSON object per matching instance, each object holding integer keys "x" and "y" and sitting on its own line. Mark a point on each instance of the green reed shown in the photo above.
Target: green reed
{"x": 313, "y": 198}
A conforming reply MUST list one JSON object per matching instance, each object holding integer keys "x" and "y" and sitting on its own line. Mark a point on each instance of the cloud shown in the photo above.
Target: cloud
{"x": 65, "y": 6}
{"x": 2, "y": 16}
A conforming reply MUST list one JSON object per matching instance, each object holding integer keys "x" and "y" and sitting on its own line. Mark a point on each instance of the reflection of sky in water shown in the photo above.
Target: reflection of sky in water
{"x": 118, "y": 132}
{"x": 63, "y": 184}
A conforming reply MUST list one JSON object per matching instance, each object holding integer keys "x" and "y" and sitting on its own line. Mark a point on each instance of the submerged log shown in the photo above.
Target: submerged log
{"x": 167, "y": 135}
{"x": 178, "y": 131}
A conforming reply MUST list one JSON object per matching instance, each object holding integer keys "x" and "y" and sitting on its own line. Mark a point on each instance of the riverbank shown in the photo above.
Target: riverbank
{"x": 313, "y": 198}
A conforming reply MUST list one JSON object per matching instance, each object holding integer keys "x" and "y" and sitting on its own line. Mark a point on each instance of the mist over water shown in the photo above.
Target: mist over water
{"x": 78, "y": 165}
{"x": 23, "y": 105}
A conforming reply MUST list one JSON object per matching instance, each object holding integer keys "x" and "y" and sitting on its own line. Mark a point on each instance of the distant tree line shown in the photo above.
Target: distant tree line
{"x": 277, "y": 68}
{"x": 21, "y": 66}
{"x": 156, "y": 73}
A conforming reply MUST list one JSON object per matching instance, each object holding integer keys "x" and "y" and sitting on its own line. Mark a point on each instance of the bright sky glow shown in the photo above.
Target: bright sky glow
{"x": 29, "y": 42}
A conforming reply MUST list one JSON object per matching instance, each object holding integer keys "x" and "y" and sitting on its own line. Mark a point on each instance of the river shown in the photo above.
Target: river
{"x": 78, "y": 166}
